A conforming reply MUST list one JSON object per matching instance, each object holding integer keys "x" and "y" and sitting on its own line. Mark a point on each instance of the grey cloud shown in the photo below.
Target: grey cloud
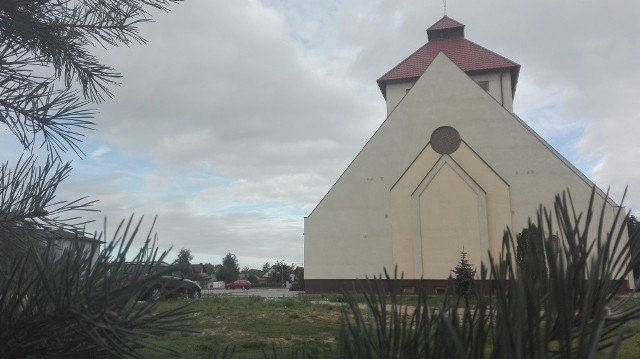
{"x": 265, "y": 104}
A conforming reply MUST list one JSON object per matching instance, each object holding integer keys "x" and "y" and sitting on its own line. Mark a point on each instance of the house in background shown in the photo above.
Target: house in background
{"x": 451, "y": 167}
{"x": 199, "y": 272}
{"x": 61, "y": 240}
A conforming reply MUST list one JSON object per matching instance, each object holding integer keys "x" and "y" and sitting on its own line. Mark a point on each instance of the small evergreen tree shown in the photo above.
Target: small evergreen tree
{"x": 464, "y": 273}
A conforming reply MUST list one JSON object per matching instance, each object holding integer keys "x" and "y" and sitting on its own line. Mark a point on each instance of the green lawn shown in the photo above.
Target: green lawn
{"x": 252, "y": 325}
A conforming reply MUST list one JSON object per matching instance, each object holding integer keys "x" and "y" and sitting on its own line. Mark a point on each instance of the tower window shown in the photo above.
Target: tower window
{"x": 484, "y": 85}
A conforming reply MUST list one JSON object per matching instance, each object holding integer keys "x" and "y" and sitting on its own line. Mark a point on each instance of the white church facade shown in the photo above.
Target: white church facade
{"x": 451, "y": 167}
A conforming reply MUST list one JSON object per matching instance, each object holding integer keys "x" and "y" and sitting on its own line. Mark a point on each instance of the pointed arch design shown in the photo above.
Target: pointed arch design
{"x": 442, "y": 175}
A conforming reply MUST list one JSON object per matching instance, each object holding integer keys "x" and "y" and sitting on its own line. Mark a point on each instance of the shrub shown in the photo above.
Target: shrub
{"x": 72, "y": 306}
{"x": 574, "y": 316}
{"x": 530, "y": 256}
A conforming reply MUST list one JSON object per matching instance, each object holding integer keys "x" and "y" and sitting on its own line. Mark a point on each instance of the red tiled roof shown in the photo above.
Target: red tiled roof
{"x": 467, "y": 55}
{"x": 445, "y": 23}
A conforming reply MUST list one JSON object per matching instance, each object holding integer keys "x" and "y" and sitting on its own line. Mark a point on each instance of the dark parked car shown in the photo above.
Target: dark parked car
{"x": 168, "y": 285}
{"x": 172, "y": 286}
{"x": 242, "y": 284}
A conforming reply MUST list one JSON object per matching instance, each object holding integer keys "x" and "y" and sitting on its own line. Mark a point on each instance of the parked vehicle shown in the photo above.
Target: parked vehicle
{"x": 168, "y": 285}
{"x": 171, "y": 286}
{"x": 242, "y": 284}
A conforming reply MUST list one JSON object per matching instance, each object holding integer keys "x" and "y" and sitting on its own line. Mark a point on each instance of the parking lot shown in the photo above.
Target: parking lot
{"x": 253, "y": 292}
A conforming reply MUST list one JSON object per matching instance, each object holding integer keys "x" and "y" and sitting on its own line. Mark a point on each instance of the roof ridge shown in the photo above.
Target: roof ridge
{"x": 511, "y": 63}
{"x": 495, "y": 53}
{"x": 466, "y": 54}
{"x": 445, "y": 23}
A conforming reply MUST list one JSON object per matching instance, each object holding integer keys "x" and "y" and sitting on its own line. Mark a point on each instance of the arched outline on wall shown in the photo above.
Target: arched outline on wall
{"x": 446, "y": 160}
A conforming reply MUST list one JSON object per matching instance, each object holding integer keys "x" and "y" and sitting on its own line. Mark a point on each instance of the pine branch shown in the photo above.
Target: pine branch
{"x": 57, "y": 35}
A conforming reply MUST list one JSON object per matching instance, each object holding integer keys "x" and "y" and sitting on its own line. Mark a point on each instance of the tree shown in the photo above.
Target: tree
{"x": 209, "y": 268}
{"x": 298, "y": 283}
{"x": 281, "y": 273}
{"x": 633, "y": 228}
{"x": 230, "y": 269}
{"x": 266, "y": 267}
{"x": 252, "y": 278}
{"x": 464, "y": 275}
{"x": 530, "y": 256}
{"x": 183, "y": 262}
{"x": 48, "y": 79}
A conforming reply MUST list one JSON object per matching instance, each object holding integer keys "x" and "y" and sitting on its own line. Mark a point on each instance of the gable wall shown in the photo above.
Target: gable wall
{"x": 349, "y": 234}
{"x": 412, "y": 249}
{"x": 499, "y": 89}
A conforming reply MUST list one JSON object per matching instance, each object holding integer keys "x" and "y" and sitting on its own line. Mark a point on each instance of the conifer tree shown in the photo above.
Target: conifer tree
{"x": 82, "y": 302}
{"x": 530, "y": 254}
{"x": 49, "y": 77}
{"x": 464, "y": 275}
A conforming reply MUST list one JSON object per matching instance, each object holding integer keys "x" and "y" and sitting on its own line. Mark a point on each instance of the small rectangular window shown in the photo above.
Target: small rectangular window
{"x": 484, "y": 85}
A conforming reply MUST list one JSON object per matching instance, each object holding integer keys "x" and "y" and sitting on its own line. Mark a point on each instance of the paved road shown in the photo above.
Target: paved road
{"x": 253, "y": 292}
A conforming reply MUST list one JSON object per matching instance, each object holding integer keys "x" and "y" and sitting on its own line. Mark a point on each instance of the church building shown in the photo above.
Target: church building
{"x": 451, "y": 167}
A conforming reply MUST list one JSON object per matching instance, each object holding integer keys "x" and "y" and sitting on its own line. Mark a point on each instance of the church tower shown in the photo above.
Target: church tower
{"x": 494, "y": 73}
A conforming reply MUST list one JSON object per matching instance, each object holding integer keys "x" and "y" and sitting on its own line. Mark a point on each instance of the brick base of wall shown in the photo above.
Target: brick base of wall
{"x": 409, "y": 286}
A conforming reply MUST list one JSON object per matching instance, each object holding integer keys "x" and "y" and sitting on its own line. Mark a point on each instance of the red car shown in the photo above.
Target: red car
{"x": 242, "y": 284}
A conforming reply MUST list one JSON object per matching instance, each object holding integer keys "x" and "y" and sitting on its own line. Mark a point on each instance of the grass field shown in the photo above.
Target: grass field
{"x": 253, "y": 325}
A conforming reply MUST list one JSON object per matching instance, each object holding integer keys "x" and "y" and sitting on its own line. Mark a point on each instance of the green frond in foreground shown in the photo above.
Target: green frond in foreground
{"x": 82, "y": 303}
{"x": 573, "y": 312}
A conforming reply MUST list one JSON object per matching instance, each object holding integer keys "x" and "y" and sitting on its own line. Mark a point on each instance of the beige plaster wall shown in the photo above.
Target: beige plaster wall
{"x": 499, "y": 89}
{"x": 396, "y": 92}
{"x": 449, "y": 213}
{"x": 352, "y": 231}
{"x": 478, "y": 232}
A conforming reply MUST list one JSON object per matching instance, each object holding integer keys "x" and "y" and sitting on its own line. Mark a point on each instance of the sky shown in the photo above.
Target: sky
{"x": 237, "y": 117}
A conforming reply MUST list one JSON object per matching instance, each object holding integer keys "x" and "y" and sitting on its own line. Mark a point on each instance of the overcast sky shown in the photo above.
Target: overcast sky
{"x": 238, "y": 116}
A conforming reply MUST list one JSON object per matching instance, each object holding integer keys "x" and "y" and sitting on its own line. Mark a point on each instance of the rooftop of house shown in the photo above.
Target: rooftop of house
{"x": 447, "y": 36}
{"x": 63, "y": 234}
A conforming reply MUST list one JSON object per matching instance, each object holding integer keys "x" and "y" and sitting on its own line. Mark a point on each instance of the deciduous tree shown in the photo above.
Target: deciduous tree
{"x": 230, "y": 269}
{"x": 183, "y": 262}
{"x": 281, "y": 273}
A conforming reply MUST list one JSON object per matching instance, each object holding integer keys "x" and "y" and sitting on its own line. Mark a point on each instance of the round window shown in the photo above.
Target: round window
{"x": 445, "y": 140}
